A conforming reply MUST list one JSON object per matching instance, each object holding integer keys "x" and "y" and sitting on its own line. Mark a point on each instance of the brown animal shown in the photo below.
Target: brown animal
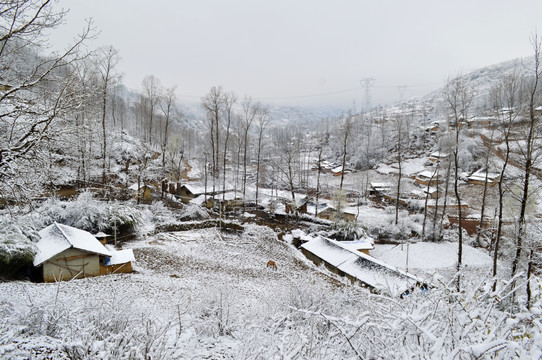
{"x": 272, "y": 264}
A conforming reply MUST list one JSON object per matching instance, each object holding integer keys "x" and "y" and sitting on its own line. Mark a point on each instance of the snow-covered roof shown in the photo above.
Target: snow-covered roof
{"x": 428, "y": 174}
{"x": 439, "y": 155}
{"x": 424, "y": 191}
{"x": 199, "y": 189}
{"x": 196, "y": 189}
{"x": 120, "y": 256}
{"x": 365, "y": 268}
{"x": 134, "y": 187}
{"x": 362, "y": 244}
{"x": 339, "y": 169}
{"x": 198, "y": 200}
{"x": 480, "y": 175}
{"x": 377, "y": 185}
{"x": 56, "y": 238}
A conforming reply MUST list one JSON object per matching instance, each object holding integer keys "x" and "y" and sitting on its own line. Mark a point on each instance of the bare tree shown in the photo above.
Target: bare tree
{"x": 249, "y": 111}
{"x": 168, "y": 105}
{"x": 346, "y": 129}
{"x": 319, "y": 149}
{"x": 107, "y": 61}
{"x": 263, "y": 122}
{"x": 529, "y": 157}
{"x": 458, "y": 94}
{"x": 152, "y": 91}
{"x": 213, "y": 104}
{"x": 504, "y": 94}
{"x": 44, "y": 83}
{"x": 399, "y": 127}
{"x": 229, "y": 101}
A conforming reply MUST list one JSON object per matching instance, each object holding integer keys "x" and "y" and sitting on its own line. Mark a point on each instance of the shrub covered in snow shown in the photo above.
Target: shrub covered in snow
{"x": 259, "y": 233}
{"x": 193, "y": 212}
{"x": 16, "y": 246}
{"x": 88, "y": 214}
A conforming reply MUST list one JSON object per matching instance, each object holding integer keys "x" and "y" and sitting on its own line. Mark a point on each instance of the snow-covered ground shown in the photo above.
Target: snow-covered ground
{"x": 205, "y": 295}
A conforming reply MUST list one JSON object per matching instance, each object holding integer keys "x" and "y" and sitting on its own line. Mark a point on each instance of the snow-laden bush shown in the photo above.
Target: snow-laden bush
{"x": 16, "y": 246}
{"x": 468, "y": 154}
{"x": 193, "y": 212}
{"x": 347, "y": 230}
{"x": 88, "y": 214}
{"x": 258, "y": 233}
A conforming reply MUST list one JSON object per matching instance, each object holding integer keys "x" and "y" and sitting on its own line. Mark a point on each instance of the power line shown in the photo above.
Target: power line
{"x": 356, "y": 89}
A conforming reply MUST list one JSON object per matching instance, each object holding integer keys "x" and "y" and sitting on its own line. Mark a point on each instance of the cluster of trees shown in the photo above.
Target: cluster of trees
{"x": 70, "y": 108}
{"x": 229, "y": 128}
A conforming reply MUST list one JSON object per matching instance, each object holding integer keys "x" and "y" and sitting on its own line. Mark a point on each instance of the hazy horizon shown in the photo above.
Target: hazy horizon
{"x": 306, "y": 53}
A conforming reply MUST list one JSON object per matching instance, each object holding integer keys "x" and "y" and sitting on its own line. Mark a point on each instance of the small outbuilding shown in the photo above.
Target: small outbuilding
{"x": 119, "y": 262}
{"x": 142, "y": 191}
{"x": 66, "y": 253}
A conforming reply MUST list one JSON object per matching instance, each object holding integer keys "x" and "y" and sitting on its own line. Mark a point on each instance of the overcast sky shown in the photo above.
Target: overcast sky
{"x": 293, "y": 51}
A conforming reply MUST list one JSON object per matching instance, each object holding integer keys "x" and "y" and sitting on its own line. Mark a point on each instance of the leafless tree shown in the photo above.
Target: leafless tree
{"x": 107, "y": 61}
{"x": 168, "y": 105}
{"x": 230, "y": 99}
{"x": 152, "y": 92}
{"x": 248, "y": 114}
{"x": 263, "y": 122}
{"x": 400, "y": 129}
{"x": 529, "y": 154}
{"x": 44, "y": 83}
{"x": 345, "y": 132}
{"x": 504, "y": 95}
{"x": 213, "y": 104}
{"x": 458, "y": 94}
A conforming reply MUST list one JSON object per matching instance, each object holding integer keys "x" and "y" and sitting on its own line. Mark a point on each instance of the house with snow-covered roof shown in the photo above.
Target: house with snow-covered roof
{"x": 346, "y": 260}
{"x": 479, "y": 178}
{"x": 428, "y": 177}
{"x": 141, "y": 192}
{"x": 189, "y": 191}
{"x": 66, "y": 253}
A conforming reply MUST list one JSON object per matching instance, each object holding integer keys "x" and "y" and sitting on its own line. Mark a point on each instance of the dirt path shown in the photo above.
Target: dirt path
{"x": 187, "y": 169}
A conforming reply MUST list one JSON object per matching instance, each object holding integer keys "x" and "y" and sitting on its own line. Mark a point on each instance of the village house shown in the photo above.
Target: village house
{"x": 422, "y": 193}
{"x": 188, "y": 192}
{"x": 227, "y": 201}
{"x": 66, "y": 253}
{"x": 379, "y": 189}
{"x": 300, "y": 206}
{"x": 438, "y": 156}
{"x": 481, "y": 121}
{"x": 119, "y": 262}
{"x": 338, "y": 171}
{"x": 360, "y": 268}
{"x": 362, "y": 245}
{"x": 427, "y": 177}
{"x": 479, "y": 178}
{"x": 141, "y": 192}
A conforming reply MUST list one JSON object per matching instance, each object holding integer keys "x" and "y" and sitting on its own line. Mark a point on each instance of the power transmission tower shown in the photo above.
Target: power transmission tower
{"x": 401, "y": 89}
{"x": 367, "y": 83}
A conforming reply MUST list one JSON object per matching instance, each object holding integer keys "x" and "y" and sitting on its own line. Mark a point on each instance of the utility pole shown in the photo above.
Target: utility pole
{"x": 367, "y": 83}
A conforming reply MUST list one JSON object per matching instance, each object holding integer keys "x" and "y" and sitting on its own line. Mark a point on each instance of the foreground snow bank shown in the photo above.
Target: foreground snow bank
{"x": 207, "y": 294}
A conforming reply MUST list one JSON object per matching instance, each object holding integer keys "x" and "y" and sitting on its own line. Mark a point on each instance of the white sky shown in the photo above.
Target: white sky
{"x": 283, "y": 50}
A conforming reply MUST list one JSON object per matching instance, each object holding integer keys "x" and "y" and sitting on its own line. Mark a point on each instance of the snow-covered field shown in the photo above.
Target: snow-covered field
{"x": 206, "y": 295}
